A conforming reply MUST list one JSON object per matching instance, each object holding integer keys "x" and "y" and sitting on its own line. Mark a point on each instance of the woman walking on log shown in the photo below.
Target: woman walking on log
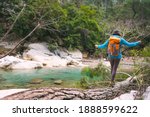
{"x": 114, "y": 53}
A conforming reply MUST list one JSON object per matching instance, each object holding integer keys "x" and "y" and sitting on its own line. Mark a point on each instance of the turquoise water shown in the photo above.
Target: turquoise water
{"x": 23, "y": 78}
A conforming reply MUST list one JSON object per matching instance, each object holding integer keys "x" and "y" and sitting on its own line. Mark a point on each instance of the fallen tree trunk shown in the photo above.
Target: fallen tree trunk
{"x": 73, "y": 94}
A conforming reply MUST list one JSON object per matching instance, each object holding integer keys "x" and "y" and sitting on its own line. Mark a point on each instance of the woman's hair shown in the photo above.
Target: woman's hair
{"x": 116, "y": 32}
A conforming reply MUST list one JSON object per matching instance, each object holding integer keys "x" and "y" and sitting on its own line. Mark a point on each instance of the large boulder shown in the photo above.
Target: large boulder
{"x": 46, "y": 60}
{"x": 37, "y": 50}
{"x": 10, "y": 62}
{"x": 54, "y": 61}
{"x": 7, "y": 61}
{"x": 76, "y": 54}
{"x": 34, "y": 55}
{"x": 41, "y": 48}
{"x": 61, "y": 52}
{"x": 61, "y": 57}
{"x": 27, "y": 65}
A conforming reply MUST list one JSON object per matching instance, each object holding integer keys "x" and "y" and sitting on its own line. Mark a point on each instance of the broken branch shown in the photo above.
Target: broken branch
{"x": 21, "y": 41}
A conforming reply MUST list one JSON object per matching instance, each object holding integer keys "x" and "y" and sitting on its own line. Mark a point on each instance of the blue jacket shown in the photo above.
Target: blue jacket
{"x": 122, "y": 42}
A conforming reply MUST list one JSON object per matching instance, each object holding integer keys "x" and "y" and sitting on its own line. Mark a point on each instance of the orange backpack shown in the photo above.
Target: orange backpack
{"x": 114, "y": 46}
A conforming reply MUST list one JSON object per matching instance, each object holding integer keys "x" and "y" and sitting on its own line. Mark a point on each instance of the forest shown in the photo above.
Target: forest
{"x": 76, "y": 23}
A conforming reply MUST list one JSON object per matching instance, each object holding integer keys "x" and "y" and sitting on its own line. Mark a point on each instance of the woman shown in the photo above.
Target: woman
{"x": 115, "y": 59}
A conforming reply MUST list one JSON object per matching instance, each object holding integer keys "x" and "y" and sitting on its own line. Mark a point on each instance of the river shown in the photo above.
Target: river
{"x": 36, "y": 78}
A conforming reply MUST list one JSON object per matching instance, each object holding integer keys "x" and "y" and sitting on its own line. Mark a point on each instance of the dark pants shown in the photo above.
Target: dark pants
{"x": 114, "y": 65}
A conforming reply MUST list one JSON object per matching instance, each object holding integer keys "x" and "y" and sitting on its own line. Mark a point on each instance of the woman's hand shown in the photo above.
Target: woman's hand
{"x": 96, "y": 46}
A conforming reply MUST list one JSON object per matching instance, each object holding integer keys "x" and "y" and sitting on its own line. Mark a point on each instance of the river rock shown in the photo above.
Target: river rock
{"x": 146, "y": 95}
{"x": 127, "y": 96}
{"x": 10, "y": 85}
{"x": 27, "y": 65}
{"x": 85, "y": 55}
{"x": 61, "y": 52}
{"x": 46, "y": 60}
{"x": 41, "y": 47}
{"x": 37, "y": 51}
{"x": 3, "y": 44}
{"x": 40, "y": 53}
{"x": 58, "y": 82}
{"x": 36, "y": 81}
{"x": 2, "y": 79}
{"x": 76, "y": 54}
{"x": 7, "y": 92}
{"x": 61, "y": 57}
{"x": 10, "y": 62}
{"x": 38, "y": 56}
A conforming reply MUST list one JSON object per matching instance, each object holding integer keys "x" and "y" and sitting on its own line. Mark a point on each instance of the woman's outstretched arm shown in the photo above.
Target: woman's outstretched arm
{"x": 104, "y": 45}
{"x": 130, "y": 44}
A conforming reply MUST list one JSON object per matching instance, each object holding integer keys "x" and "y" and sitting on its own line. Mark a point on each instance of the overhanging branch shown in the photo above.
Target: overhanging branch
{"x": 21, "y": 41}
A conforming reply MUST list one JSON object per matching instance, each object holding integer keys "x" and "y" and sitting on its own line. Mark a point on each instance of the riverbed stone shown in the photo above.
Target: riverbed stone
{"x": 36, "y": 81}
{"x": 10, "y": 62}
{"x": 58, "y": 82}
{"x": 2, "y": 79}
{"x": 10, "y": 85}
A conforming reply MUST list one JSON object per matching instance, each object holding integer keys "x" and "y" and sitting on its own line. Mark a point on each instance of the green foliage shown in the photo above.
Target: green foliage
{"x": 79, "y": 24}
{"x": 53, "y": 46}
{"x": 121, "y": 77}
{"x": 82, "y": 27}
{"x": 94, "y": 76}
{"x": 142, "y": 72}
{"x": 84, "y": 82}
{"x": 146, "y": 51}
{"x": 101, "y": 70}
{"x": 78, "y": 27}
{"x": 134, "y": 53}
{"x": 1, "y": 30}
